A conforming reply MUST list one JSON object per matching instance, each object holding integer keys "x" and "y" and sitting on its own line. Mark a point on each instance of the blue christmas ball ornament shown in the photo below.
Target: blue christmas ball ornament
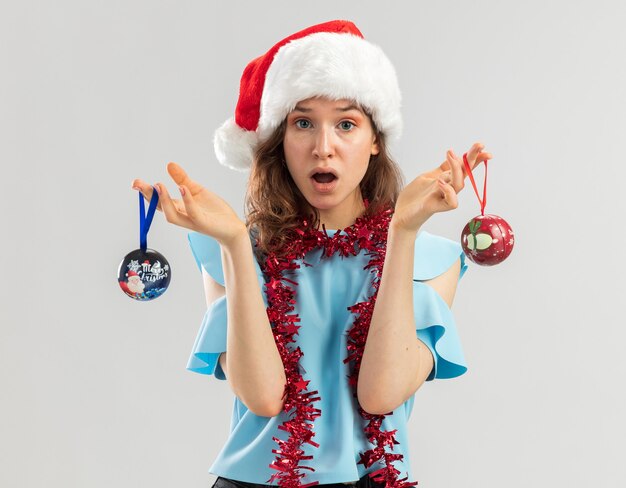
{"x": 144, "y": 275}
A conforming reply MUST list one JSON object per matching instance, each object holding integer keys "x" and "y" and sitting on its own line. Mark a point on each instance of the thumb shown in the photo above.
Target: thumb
{"x": 177, "y": 173}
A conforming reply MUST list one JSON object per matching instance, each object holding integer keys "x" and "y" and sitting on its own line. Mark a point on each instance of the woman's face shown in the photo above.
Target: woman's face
{"x": 335, "y": 136}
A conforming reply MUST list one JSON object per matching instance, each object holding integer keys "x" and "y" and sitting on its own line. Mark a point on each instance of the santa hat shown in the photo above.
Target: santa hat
{"x": 330, "y": 59}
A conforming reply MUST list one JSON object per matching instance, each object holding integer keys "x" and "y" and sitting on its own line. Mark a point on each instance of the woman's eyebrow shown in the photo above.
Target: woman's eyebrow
{"x": 349, "y": 107}
{"x": 298, "y": 108}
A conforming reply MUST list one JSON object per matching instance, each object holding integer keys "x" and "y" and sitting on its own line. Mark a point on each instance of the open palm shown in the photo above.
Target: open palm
{"x": 435, "y": 191}
{"x": 199, "y": 209}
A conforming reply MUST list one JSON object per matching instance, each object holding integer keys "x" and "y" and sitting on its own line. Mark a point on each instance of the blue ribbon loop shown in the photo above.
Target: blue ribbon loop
{"x": 146, "y": 220}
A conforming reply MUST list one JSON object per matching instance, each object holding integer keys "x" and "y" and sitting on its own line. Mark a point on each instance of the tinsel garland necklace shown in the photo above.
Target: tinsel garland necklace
{"x": 369, "y": 233}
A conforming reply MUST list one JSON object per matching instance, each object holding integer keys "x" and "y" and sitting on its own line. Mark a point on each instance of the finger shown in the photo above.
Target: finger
{"x": 447, "y": 165}
{"x": 170, "y": 208}
{"x": 473, "y": 152}
{"x": 191, "y": 209}
{"x": 458, "y": 172}
{"x": 180, "y": 177}
{"x": 146, "y": 190}
{"x": 459, "y": 160}
{"x": 177, "y": 203}
{"x": 448, "y": 193}
{"x": 480, "y": 158}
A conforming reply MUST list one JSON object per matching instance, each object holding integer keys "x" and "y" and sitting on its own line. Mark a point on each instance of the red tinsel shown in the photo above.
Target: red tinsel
{"x": 369, "y": 233}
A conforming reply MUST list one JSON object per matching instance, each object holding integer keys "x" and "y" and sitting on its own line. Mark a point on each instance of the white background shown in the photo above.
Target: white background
{"x": 94, "y": 390}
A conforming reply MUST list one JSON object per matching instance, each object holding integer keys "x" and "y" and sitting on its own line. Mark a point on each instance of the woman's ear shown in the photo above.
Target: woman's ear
{"x": 375, "y": 146}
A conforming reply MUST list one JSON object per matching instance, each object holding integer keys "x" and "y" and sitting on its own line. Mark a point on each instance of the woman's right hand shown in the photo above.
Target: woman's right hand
{"x": 199, "y": 209}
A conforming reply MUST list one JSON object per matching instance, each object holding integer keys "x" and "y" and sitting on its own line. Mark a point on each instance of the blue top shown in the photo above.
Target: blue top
{"x": 324, "y": 292}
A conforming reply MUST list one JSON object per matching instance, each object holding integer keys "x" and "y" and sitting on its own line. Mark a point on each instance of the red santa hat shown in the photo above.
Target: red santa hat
{"x": 330, "y": 59}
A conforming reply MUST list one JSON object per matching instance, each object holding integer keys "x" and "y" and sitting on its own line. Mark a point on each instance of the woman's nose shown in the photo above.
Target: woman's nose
{"x": 324, "y": 143}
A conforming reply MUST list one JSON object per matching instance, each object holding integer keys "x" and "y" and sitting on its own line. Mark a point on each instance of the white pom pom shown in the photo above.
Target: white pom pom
{"x": 234, "y": 146}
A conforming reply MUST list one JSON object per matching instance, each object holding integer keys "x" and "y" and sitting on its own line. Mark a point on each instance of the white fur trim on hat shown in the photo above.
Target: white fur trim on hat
{"x": 333, "y": 65}
{"x": 234, "y": 146}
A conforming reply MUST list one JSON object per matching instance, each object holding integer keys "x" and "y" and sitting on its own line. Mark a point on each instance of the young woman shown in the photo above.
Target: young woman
{"x": 329, "y": 307}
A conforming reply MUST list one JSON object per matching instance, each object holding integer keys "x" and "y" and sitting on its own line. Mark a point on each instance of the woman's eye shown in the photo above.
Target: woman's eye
{"x": 346, "y": 125}
{"x": 302, "y": 121}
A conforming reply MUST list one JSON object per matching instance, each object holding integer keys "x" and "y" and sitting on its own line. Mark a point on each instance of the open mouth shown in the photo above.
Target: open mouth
{"x": 324, "y": 177}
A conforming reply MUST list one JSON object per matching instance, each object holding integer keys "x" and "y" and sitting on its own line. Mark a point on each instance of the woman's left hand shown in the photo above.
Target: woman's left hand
{"x": 435, "y": 191}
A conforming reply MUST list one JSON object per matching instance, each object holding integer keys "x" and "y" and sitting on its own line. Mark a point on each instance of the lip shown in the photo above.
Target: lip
{"x": 324, "y": 187}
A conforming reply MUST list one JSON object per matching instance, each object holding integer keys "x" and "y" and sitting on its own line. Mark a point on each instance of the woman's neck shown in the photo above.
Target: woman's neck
{"x": 343, "y": 215}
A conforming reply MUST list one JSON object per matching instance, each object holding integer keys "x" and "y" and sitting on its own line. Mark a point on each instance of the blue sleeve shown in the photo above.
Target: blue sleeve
{"x": 207, "y": 253}
{"x": 434, "y": 321}
{"x": 211, "y": 338}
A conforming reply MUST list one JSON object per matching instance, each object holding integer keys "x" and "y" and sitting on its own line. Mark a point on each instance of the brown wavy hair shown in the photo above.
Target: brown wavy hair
{"x": 274, "y": 204}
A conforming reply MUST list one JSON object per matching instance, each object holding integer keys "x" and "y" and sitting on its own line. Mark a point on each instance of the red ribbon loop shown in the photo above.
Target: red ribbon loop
{"x": 483, "y": 202}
